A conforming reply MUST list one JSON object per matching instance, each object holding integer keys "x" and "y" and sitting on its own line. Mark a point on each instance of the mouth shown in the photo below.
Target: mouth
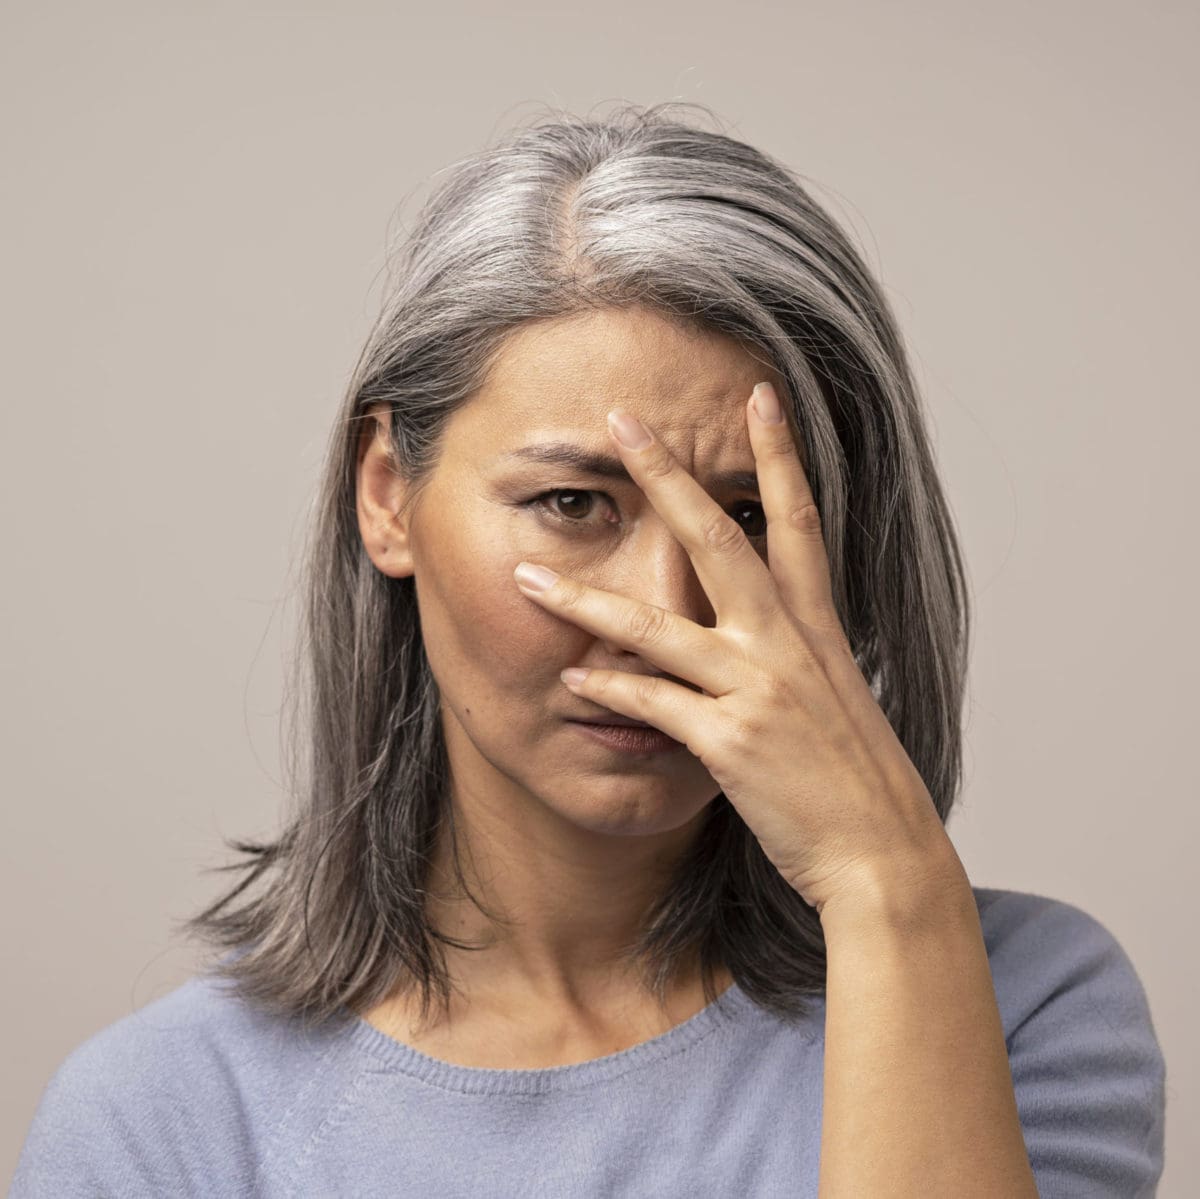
{"x": 631, "y": 737}
{"x": 612, "y": 720}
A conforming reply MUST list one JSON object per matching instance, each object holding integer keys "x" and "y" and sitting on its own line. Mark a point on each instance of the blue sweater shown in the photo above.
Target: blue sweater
{"x": 196, "y": 1093}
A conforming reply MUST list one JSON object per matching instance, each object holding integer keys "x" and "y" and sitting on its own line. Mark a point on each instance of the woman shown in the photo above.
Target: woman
{"x": 689, "y": 923}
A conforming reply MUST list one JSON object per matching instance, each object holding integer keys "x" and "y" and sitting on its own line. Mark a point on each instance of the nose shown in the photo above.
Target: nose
{"x": 655, "y": 569}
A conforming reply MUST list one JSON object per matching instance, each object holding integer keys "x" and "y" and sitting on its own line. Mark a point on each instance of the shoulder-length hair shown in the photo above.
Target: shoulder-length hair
{"x": 565, "y": 214}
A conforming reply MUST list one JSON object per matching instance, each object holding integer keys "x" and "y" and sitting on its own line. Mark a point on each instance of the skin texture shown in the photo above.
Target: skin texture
{"x": 567, "y": 838}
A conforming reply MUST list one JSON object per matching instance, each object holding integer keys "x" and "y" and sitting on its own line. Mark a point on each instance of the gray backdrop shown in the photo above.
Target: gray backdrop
{"x": 198, "y": 198}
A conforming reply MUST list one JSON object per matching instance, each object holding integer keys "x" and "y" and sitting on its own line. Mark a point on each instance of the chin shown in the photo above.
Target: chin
{"x": 637, "y": 808}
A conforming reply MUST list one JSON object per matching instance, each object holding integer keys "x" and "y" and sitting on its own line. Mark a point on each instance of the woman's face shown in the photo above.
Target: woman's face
{"x": 496, "y": 655}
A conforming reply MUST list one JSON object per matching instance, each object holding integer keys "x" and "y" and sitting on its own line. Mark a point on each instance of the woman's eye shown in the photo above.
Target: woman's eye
{"x": 574, "y": 507}
{"x": 758, "y": 517}
{"x": 567, "y": 506}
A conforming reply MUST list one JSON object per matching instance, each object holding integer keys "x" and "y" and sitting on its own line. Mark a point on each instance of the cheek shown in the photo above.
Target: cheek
{"x": 512, "y": 635}
{"x": 476, "y": 619}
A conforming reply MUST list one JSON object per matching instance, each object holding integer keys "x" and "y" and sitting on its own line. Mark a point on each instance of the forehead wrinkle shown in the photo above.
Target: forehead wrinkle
{"x": 568, "y": 454}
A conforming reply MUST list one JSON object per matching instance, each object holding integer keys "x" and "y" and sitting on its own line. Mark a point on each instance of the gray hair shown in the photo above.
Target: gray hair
{"x": 558, "y": 216}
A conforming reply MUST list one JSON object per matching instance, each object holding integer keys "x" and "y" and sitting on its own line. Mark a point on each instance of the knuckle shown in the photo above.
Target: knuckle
{"x": 782, "y": 446}
{"x": 659, "y": 466}
{"x": 721, "y": 534}
{"x": 805, "y": 518}
{"x": 743, "y": 730}
{"x": 646, "y": 623}
{"x": 845, "y": 741}
{"x": 644, "y": 691}
{"x": 780, "y": 694}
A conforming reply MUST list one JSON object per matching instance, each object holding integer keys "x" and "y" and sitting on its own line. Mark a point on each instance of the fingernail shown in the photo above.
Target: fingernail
{"x": 766, "y": 404}
{"x": 536, "y": 578}
{"x": 628, "y": 430}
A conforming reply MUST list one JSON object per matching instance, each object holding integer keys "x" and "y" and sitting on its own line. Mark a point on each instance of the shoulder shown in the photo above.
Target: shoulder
{"x": 1087, "y": 1068}
{"x": 169, "y": 1099}
{"x": 1043, "y": 950}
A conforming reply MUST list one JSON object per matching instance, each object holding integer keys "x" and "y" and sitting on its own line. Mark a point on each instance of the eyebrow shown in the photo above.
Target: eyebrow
{"x": 574, "y": 457}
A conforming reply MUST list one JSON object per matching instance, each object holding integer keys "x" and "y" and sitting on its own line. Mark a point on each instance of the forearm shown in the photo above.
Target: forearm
{"x": 918, "y": 1093}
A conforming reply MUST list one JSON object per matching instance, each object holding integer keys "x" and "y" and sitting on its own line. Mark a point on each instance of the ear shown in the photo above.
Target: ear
{"x": 383, "y": 519}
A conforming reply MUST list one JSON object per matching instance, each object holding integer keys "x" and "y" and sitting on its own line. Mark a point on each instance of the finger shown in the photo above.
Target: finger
{"x": 674, "y": 710}
{"x": 735, "y": 579}
{"x": 673, "y": 643}
{"x": 796, "y": 552}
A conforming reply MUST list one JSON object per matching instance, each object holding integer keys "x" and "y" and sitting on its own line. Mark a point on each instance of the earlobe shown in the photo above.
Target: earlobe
{"x": 383, "y": 520}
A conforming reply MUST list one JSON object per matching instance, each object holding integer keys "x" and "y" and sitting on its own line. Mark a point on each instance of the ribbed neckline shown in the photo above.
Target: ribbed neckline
{"x": 732, "y": 1004}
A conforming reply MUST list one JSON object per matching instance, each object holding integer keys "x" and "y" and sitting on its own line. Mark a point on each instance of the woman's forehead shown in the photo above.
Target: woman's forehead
{"x": 555, "y": 382}
{"x": 632, "y": 349}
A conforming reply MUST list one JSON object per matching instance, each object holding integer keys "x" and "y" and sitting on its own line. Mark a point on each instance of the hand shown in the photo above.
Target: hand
{"x": 786, "y": 723}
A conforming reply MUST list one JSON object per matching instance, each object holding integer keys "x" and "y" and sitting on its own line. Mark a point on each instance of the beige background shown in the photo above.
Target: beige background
{"x": 197, "y": 202}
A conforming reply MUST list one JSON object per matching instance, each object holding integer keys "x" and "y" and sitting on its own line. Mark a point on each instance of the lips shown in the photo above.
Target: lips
{"x": 623, "y": 721}
{"x": 642, "y": 741}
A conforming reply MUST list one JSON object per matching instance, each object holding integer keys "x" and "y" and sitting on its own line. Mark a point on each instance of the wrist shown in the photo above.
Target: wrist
{"x": 902, "y": 896}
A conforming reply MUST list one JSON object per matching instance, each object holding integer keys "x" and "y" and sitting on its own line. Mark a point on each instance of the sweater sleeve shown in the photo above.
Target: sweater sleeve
{"x": 1088, "y": 1072}
{"x": 129, "y": 1114}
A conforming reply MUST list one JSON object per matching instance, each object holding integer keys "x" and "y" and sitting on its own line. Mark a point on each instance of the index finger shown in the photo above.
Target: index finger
{"x": 734, "y": 577}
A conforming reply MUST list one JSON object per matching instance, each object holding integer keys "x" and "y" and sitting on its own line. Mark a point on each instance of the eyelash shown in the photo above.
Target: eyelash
{"x": 558, "y": 518}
